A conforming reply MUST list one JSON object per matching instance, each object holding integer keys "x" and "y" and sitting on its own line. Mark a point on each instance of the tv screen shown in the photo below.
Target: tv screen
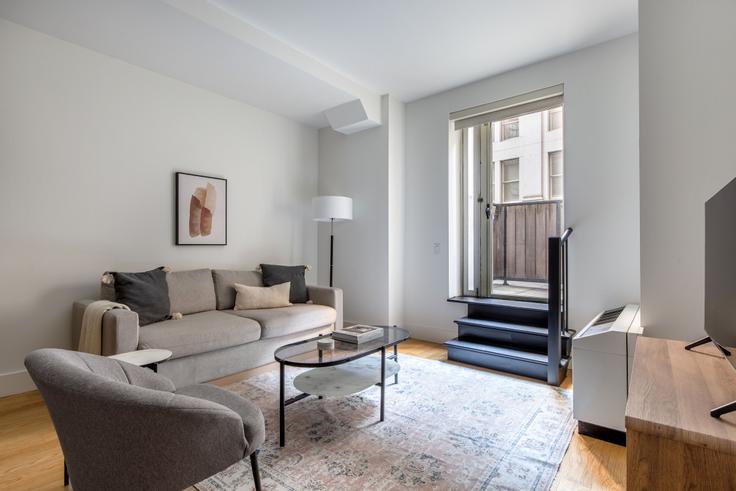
{"x": 720, "y": 269}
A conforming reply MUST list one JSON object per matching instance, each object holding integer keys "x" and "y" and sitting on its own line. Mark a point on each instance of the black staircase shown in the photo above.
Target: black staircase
{"x": 526, "y": 338}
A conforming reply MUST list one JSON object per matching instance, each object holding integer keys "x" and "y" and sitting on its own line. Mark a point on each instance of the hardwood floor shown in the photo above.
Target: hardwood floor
{"x": 31, "y": 459}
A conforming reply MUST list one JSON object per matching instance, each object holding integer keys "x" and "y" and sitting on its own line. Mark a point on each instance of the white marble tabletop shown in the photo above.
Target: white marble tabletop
{"x": 144, "y": 356}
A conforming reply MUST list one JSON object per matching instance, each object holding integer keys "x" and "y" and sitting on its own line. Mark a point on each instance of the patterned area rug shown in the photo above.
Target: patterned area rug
{"x": 447, "y": 427}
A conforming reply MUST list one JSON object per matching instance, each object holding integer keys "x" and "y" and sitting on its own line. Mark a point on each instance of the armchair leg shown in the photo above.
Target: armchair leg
{"x": 256, "y": 472}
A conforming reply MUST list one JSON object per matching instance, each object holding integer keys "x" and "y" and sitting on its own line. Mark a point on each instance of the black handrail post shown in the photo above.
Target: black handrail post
{"x": 505, "y": 244}
{"x": 566, "y": 304}
{"x": 554, "y": 352}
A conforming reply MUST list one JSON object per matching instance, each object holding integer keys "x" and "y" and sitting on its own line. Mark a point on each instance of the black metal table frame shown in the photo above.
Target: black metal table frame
{"x": 286, "y": 402}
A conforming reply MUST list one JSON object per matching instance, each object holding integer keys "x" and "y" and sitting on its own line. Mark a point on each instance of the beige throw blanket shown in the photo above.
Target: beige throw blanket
{"x": 90, "y": 337}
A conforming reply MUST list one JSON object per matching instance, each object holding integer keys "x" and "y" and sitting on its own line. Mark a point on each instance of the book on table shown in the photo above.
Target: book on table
{"x": 358, "y": 334}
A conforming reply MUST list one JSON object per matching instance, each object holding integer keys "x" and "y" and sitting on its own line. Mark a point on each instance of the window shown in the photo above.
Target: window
{"x": 554, "y": 119}
{"x": 509, "y": 129}
{"x": 555, "y": 175}
{"x": 510, "y": 180}
{"x": 495, "y": 206}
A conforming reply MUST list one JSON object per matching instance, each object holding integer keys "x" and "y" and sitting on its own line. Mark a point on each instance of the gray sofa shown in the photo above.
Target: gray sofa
{"x": 124, "y": 427}
{"x": 212, "y": 340}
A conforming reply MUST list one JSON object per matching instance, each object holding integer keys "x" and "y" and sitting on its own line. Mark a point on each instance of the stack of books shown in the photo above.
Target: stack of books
{"x": 358, "y": 334}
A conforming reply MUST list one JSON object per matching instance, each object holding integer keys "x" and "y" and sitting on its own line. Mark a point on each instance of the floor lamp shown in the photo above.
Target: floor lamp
{"x": 332, "y": 209}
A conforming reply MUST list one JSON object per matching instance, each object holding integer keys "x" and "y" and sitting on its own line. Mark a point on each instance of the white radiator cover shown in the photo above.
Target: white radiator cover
{"x": 603, "y": 355}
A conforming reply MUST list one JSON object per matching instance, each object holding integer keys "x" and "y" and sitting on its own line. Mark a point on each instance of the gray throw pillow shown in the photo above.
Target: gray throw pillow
{"x": 274, "y": 274}
{"x": 146, "y": 294}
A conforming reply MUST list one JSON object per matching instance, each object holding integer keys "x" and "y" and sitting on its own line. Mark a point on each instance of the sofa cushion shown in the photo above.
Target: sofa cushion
{"x": 107, "y": 290}
{"x": 191, "y": 291}
{"x": 199, "y": 333}
{"x": 146, "y": 294}
{"x": 274, "y": 274}
{"x": 261, "y": 297}
{"x": 283, "y": 321}
{"x": 225, "y": 280}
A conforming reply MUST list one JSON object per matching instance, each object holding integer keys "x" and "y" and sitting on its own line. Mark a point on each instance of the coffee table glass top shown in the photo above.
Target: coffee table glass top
{"x": 305, "y": 353}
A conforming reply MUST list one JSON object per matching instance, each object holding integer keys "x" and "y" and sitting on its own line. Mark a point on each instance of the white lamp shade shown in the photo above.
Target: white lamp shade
{"x": 337, "y": 208}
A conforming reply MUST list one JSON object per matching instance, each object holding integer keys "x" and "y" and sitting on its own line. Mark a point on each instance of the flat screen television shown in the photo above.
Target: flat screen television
{"x": 720, "y": 276}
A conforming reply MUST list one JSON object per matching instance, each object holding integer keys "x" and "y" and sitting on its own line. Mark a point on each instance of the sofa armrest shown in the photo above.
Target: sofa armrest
{"x": 119, "y": 329}
{"x": 331, "y": 297}
{"x": 120, "y": 332}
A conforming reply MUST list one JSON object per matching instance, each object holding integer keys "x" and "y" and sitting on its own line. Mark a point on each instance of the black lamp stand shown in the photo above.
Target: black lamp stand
{"x": 332, "y": 245}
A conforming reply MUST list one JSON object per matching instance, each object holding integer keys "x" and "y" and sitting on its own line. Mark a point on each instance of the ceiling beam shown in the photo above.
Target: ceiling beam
{"x": 235, "y": 26}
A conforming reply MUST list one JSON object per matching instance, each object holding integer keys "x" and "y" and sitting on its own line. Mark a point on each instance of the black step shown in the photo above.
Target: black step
{"x": 505, "y": 333}
{"x": 532, "y": 338}
{"x": 503, "y": 358}
{"x": 513, "y": 311}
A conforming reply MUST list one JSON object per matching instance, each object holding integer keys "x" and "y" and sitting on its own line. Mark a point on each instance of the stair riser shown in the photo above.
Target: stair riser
{"x": 508, "y": 314}
{"x": 511, "y": 338}
{"x": 495, "y": 362}
{"x": 517, "y": 339}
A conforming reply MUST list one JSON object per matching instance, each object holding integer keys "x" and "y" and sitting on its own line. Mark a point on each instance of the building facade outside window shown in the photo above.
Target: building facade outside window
{"x": 510, "y": 180}
{"x": 555, "y": 175}
{"x": 509, "y": 129}
{"x": 554, "y": 119}
{"x": 529, "y": 148}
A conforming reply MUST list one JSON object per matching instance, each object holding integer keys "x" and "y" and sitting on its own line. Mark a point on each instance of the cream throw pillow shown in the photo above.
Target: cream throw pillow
{"x": 262, "y": 297}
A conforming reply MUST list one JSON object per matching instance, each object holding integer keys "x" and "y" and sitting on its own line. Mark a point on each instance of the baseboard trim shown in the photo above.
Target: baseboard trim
{"x": 422, "y": 333}
{"x": 431, "y": 334}
{"x": 601, "y": 433}
{"x": 15, "y": 383}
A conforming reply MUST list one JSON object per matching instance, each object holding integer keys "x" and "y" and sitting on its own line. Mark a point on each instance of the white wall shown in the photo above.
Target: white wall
{"x": 396, "y": 209}
{"x": 369, "y": 167}
{"x": 601, "y": 182}
{"x": 88, "y": 150}
{"x": 687, "y": 83}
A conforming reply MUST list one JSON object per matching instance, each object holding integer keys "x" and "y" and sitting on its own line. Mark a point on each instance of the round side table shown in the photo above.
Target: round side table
{"x": 147, "y": 358}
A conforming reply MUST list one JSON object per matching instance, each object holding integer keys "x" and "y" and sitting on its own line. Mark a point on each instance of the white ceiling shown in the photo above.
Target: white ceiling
{"x": 299, "y": 58}
{"x": 414, "y": 48}
{"x": 197, "y": 43}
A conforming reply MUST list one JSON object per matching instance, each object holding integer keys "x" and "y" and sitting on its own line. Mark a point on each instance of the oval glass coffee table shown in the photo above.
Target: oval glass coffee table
{"x": 346, "y": 369}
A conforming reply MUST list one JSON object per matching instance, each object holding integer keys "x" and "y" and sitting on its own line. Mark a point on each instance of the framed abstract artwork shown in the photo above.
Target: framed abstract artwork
{"x": 201, "y": 210}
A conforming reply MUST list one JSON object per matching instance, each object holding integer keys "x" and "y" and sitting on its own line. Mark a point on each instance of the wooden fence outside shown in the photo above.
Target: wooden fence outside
{"x": 520, "y": 233}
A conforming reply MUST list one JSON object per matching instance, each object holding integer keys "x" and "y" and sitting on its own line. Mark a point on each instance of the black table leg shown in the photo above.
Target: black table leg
{"x": 320, "y": 360}
{"x": 282, "y": 430}
{"x": 383, "y": 378}
{"x": 151, "y": 366}
{"x": 396, "y": 359}
{"x": 66, "y": 475}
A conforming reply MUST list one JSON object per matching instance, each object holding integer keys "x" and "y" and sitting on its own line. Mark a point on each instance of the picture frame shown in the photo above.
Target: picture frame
{"x": 201, "y": 209}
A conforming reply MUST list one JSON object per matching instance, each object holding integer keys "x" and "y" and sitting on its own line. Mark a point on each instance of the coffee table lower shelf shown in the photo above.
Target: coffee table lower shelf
{"x": 343, "y": 380}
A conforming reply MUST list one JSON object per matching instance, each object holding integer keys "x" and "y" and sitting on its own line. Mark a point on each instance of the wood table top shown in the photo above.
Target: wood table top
{"x": 673, "y": 390}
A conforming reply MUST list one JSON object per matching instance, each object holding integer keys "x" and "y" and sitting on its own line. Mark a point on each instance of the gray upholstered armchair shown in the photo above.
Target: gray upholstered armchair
{"x": 125, "y": 427}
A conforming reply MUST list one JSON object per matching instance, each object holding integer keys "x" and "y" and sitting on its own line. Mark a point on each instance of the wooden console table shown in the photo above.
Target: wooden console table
{"x": 672, "y": 441}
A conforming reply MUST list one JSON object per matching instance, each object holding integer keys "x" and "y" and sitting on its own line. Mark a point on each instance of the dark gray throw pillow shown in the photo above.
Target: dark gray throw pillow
{"x": 146, "y": 294}
{"x": 274, "y": 274}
